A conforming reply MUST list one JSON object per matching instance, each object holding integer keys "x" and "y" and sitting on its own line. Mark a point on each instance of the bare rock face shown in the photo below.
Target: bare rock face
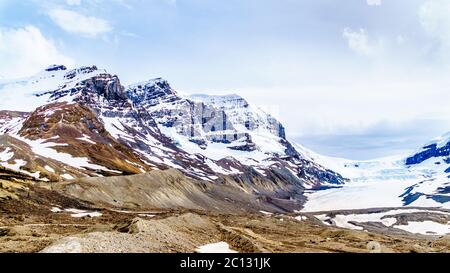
{"x": 239, "y": 111}
{"x": 55, "y": 67}
{"x": 152, "y": 93}
{"x": 428, "y": 152}
{"x": 94, "y": 91}
{"x": 109, "y": 87}
{"x": 195, "y": 120}
{"x": 135, "y": 226}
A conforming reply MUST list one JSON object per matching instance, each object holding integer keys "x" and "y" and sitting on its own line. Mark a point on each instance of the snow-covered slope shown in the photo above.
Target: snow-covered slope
{"x": 29, "y": 93}
{"x": 420, "y": 180}
{"x": 258, "y": 133}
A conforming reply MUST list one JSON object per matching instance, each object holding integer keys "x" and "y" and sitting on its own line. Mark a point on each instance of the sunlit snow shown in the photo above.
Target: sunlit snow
{"x": 221, "y": 247}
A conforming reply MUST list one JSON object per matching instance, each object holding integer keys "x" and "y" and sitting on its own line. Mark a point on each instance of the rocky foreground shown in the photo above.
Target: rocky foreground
{"x": 39, "y": 219}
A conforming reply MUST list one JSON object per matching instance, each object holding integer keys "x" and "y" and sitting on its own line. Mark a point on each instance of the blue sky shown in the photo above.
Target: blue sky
{"x": 355, "y": 78}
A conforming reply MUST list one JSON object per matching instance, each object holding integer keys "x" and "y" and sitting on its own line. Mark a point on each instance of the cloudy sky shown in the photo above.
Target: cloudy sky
{"x": 356, "y": 78}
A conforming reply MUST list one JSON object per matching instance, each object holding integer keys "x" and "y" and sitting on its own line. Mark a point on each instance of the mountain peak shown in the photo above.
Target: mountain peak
{"x": 222, "y": 101}
{"x": 152, "y": 91}
{"x": 84, "y": 70}
{"x": 216, "y": 97}
{"x": 160, "y": 82}
{"x": 27, "y": 94}
{"x": 55, "y": 67}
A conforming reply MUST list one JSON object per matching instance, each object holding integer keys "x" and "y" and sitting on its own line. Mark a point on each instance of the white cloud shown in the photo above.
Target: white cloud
{"x": 24, "y": 51}
{"x": 77, "y": 23}
{"x": 358, "y": 41}
{"x": 374, "y": 2}
{"x": 435, "y": 19}
{"x": 73, "y": 2}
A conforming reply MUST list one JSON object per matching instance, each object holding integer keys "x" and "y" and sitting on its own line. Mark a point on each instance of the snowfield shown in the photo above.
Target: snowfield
{"x": 387, "y": 218}
{"x": 382, "y": 183}
{"x": 77, "y": 213}
{"x": 358, "y": 195}
{"x": 220, "y": 247}
{"x": 426, "y": 228}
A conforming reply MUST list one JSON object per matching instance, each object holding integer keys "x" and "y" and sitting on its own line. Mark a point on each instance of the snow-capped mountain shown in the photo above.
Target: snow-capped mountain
{"x": 62, "y": 124}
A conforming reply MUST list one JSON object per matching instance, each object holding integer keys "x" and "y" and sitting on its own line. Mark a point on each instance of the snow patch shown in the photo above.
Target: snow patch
{"x": 426, "y": 228}
{"x": 56, "y": 210}
{"x": 77, "y": 213}
{"x": 221, "y": 247}
{"x": 87, "y": 139}
{"x": 50, "y": 169}
{"x": 86, "y": 214}
{"x": 67, "y": 176}
{"x": 350, "y": 221}
{"x": 301, "y": 218}
{"x": 266, "y": 213}
{"x": 45, "y": 149}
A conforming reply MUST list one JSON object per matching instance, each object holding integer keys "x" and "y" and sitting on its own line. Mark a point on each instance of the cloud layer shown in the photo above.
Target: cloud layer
{"x": 23, "y": 51}
{"x": 77, "y": 23}
{"x": 435, "y": 19}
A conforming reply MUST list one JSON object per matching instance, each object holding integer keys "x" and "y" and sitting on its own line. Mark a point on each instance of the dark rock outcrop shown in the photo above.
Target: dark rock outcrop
{"x": 429, "y": 152}
{"x": 55, "y": 67}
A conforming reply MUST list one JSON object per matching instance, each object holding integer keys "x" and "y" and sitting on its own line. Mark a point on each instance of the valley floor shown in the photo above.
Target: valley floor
{"x": 37, "y": 218}
{"x": 170, "y": 231}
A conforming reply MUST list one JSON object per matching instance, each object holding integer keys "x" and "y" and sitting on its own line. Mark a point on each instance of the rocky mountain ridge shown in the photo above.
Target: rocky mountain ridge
{"x": 87, "y": 124}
